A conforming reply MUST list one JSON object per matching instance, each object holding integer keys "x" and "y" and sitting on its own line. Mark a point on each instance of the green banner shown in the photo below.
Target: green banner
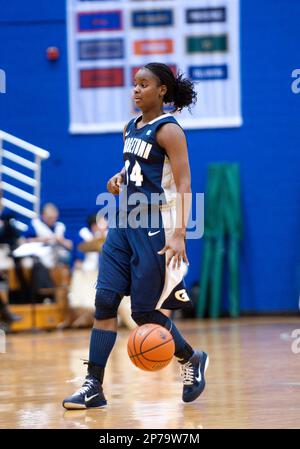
{"x": 207, "y": 44}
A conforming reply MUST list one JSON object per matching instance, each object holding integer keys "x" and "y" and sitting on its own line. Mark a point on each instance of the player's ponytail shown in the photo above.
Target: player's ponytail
{"x": 180, "y": 90}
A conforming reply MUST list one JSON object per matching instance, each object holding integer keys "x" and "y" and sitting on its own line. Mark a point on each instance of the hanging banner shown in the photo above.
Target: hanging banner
{"x": 108, "y": 41}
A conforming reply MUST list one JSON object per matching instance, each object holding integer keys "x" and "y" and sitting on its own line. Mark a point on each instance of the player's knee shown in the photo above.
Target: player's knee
{"x": 107, "y": 303}
{"x": 154, "y": 316}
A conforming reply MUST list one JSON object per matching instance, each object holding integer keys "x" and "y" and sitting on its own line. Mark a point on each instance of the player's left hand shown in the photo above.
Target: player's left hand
{"x": 175, "y": 249}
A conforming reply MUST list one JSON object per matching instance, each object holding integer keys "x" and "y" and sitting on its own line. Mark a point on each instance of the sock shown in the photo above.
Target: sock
{"x": 184, "y": 354}
{"x": 183, "y": 350}
{"x": 101, "y": 344}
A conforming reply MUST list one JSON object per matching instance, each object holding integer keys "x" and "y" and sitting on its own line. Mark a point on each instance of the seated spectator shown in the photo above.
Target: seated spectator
{"x": 51, "y": 232}
{"x": 47, "y": 246}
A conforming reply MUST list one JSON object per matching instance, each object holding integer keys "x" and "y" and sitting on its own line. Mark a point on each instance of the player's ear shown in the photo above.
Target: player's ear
{"x": 163, "y": 90}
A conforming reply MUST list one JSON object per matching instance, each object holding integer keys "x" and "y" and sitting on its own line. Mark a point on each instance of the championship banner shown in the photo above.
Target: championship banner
{"x": 108, "y": 41}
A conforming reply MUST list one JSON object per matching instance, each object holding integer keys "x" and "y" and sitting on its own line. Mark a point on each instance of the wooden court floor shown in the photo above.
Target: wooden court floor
{"x": 253, "y": 380}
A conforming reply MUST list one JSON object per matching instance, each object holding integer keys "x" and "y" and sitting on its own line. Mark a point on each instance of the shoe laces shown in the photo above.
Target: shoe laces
{"x": 89, "y": 383}
{"x": 187, "y": 373}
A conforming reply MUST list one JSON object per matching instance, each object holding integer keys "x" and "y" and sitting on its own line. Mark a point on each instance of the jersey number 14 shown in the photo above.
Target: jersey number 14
{"x": 136, "y": 173}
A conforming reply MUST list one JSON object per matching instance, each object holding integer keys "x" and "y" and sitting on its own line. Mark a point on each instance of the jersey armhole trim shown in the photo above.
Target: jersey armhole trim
{"x": 158, "y": 128}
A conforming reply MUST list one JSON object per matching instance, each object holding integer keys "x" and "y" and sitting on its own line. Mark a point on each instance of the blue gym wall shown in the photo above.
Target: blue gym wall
{"x": 267, "y": 146}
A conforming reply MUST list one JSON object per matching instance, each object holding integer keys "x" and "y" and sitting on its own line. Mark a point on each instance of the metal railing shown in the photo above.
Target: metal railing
{"x": 34, "y": 181}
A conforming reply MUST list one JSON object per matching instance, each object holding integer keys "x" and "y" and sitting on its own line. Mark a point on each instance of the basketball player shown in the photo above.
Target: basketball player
{"x": 147, "y": 262}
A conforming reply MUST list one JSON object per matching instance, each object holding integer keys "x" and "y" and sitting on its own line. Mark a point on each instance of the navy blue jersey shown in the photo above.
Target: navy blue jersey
{"x": 147, "y": 165}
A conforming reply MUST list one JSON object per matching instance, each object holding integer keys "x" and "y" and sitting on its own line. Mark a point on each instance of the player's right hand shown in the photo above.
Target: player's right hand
{"x": 113, "y": 185}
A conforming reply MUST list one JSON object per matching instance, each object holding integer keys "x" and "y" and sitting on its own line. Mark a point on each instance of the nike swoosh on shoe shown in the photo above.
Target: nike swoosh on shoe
{"x": 87, "y": 399}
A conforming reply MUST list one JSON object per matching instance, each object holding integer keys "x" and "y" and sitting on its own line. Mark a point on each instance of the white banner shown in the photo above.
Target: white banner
{"x": 109, "y": 40}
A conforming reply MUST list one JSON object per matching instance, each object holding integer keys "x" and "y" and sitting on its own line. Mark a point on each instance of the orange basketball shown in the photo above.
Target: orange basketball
{"x": 150, "y": 347}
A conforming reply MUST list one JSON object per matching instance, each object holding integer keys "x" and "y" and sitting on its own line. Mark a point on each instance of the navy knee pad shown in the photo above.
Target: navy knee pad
{"x": 107, "y": 303}
{"x": 155, "y": 317}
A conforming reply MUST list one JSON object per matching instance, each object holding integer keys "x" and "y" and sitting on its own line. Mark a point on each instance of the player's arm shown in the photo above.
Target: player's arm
{"x": 172, "y": 139}
{"x": 113, "y": 185}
